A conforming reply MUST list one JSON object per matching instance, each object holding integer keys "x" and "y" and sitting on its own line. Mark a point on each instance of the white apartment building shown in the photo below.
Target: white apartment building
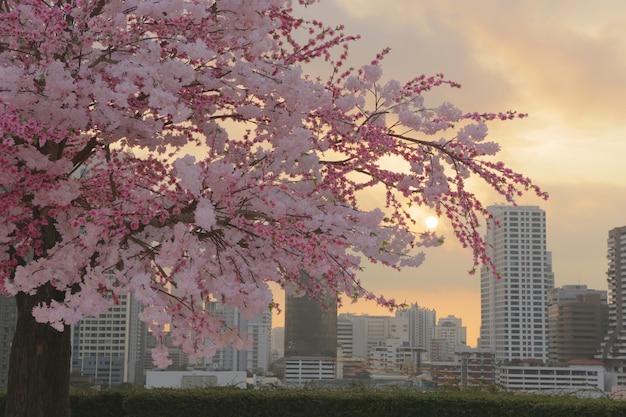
{"x": 514, "y": 319}
{"x": 110, "y": 348}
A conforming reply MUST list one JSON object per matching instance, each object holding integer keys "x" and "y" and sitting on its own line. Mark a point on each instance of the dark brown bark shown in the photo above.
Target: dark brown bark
{"x": 39, "y": 365}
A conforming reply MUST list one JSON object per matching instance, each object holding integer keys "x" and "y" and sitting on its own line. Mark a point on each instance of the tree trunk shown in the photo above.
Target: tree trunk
{"x": 39, "y": 365}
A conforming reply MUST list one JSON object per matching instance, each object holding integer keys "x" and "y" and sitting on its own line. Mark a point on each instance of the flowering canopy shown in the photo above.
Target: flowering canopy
{"x": 177, "y": 150}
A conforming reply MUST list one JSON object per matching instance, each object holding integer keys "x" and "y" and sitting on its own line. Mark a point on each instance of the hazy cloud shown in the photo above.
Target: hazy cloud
{"x": 562, "y": 61}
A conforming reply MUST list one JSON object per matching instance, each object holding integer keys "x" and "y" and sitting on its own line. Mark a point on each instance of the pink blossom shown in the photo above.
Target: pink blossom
{"x": 179, "y": 151}
{"x": 160, "y": 356}
{"x": 205, "y": 214}
{"x": 372, "y": 73}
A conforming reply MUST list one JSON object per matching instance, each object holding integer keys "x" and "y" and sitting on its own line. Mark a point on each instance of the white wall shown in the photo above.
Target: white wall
{"x": 174, "y": 379}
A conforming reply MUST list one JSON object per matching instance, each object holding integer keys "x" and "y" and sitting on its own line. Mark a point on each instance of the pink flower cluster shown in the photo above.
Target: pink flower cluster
{"x": 179, "y": 151}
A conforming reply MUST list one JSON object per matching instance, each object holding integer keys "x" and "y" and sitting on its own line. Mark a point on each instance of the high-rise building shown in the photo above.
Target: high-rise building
{"x": 8, "y": 318}
{"x": 310, "y": 339}
{"x": 227, "y": 358}
{"x": 422, "y": 323}
{"x": 367, "y": 332}
{"x": 180, "y": 360}
{"x": 613, "y": 349}
{"x": 111, "y": 347}
{"x": 278, "y": 343}
{"x": 514, "y": 311}
{"x": 345, "y": 333}
{"x": 310, "y": 329}
{"x": 577, "y": 322}
{"x": 258, "y": 329}
{"x": 451, "y": 330}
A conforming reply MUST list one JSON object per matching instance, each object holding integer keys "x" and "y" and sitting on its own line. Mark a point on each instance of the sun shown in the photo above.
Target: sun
{"x": 431, "y": 222}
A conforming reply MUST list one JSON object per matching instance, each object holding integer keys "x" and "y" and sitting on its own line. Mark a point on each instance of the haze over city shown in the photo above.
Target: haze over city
{"x": 563, "y": 63}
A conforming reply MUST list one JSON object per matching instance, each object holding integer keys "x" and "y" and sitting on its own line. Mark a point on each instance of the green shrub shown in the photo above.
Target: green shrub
{"x": 363, "y": 402}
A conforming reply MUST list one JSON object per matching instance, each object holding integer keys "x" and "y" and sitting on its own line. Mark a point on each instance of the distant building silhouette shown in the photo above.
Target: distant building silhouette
{"x": 514, "y": 309}
{"x": 577, "y": 322}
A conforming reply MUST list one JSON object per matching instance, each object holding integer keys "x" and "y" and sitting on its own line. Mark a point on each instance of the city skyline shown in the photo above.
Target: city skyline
{"x": 558, "y": 61}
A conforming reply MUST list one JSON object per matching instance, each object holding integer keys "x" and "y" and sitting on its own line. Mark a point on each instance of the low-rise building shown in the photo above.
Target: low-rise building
{"x": 578, "y": 376}
{"x": 468, "y": 368}
{"x": 303, "y": 369}
{"x": 195, "y": 379}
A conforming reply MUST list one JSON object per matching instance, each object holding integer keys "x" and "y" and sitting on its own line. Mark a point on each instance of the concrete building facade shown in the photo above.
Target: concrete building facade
{"x": 613, "y": 347}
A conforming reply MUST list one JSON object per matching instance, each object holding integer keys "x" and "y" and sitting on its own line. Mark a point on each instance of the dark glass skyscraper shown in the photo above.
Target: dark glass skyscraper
{"x": 310, "y": 339}
{"x": 310, "y": 329}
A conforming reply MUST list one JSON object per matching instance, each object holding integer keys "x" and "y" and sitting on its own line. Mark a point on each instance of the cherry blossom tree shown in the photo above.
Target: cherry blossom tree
{"x": 180, "y": 151}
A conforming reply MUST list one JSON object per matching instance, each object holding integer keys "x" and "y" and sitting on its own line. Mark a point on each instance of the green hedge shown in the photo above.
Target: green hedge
{"x": 233, "y": 402}
{"x": 351, "y": 403}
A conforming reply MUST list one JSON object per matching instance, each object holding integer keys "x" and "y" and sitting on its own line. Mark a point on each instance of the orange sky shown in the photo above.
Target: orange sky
{"x": 561, "y": 61}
